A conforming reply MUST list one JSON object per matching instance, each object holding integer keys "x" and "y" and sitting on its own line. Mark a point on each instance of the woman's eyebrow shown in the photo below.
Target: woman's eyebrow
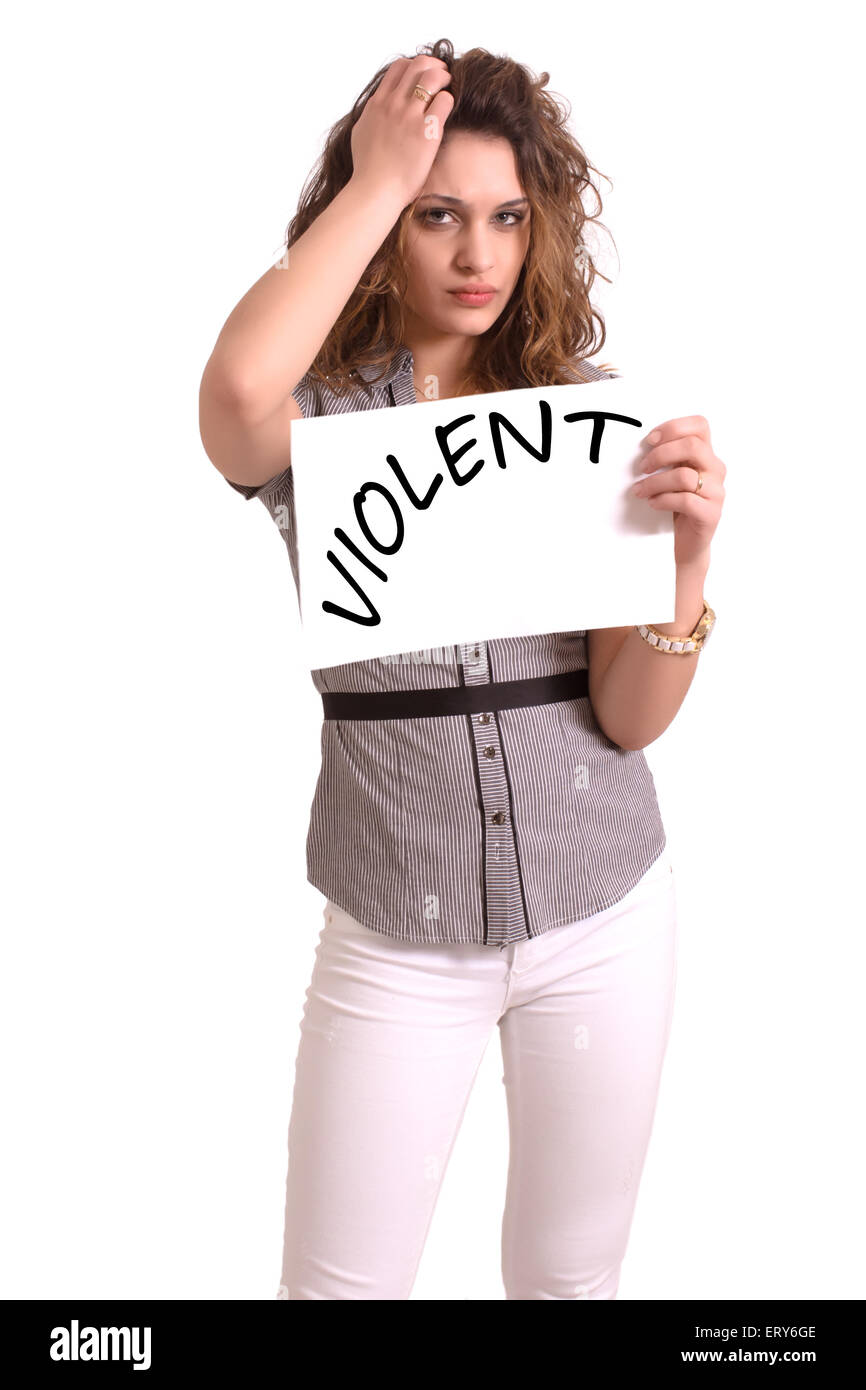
{"x": 459, "y": 203}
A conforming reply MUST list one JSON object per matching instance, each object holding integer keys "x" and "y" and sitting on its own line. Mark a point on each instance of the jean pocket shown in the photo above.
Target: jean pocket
{"x": 660, "y": 869}
{"x": 338, "y": 919}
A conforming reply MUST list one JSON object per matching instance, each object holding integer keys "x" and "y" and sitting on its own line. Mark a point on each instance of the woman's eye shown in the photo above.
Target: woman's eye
{"x": 436, "y": 221}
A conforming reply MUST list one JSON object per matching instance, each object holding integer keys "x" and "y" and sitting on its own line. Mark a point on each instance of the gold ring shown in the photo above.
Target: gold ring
{"x": 422, "y": 94}
{"x": 700, "y": 482}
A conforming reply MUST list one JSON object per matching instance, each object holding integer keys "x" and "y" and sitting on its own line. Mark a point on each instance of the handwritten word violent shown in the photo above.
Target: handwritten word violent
{"x": 452, "y": 455}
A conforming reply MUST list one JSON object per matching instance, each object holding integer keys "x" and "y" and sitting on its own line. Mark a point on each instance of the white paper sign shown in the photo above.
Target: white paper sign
{"x": 499, "y": 515}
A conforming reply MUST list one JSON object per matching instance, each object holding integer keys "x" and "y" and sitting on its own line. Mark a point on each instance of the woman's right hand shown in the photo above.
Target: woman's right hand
{"x": 396, "y": 137}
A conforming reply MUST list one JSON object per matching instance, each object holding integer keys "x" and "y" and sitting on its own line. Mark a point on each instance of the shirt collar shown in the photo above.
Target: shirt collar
{"x": 401, "y": 361}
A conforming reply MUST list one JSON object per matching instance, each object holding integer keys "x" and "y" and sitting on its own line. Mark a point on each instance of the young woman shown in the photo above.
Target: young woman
{"x": 485, "y": 827}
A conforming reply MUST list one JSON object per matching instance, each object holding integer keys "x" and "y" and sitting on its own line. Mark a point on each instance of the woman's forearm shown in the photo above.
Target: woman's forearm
{"x": 274, "y": 333}
{"x": 642, "y": 689}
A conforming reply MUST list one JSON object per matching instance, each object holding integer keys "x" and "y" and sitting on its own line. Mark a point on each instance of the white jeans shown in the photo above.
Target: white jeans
{"x": 392, "y": 1037}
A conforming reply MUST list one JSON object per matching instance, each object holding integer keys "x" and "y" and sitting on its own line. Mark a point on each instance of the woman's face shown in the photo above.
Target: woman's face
{"x": 470, "y": 227}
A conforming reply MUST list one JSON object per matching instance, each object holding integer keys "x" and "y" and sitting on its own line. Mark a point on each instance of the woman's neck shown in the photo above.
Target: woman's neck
{"x": 441, "y": 363}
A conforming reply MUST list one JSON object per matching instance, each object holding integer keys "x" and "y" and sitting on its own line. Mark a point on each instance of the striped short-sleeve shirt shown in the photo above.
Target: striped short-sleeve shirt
{"x": 487, "y": 827}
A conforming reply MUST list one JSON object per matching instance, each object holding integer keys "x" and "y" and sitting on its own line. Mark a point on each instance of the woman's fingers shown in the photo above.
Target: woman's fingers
{"x": 402, "y": 70}
{"x": 673, "y": 429}
{"x": 432, "y": 79}
{"x": 687, "y": 448}
{"x": 441, "y": 107}
{"x": 683, "y": 479}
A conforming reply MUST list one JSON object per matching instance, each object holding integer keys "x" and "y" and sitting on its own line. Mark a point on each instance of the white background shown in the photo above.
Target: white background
{"x": 161, "y": 737}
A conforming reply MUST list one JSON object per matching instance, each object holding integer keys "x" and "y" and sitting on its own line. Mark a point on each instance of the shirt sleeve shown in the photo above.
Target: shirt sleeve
{"x": 304, "y": 398}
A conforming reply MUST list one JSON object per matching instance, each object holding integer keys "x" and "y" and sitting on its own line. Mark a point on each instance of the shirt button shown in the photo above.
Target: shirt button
{"x": 498, "y": 817}
{"x": 476, "y": 652}
{"x": 490, "y": 751}
{"x": 484, "y": 719}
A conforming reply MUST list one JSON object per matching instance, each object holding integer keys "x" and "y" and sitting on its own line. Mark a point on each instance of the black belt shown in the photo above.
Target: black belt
{"x": 455, "y": 699}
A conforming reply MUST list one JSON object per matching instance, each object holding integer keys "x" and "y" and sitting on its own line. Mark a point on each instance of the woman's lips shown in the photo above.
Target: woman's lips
{"x": 472, "y": 298}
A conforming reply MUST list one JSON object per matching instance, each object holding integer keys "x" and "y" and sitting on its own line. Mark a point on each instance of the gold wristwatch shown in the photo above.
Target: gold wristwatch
{"x": 695, "y": 642}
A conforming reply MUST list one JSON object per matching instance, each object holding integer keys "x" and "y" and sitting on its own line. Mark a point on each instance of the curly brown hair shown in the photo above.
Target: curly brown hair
{"x": 549, "y": 324}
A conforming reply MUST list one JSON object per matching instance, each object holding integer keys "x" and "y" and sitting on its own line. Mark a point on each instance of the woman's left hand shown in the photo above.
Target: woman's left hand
{"x": 682, "y": 450}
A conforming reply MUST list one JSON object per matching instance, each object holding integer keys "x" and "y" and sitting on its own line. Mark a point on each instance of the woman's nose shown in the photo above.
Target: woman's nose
{"x": 475, "y": 253}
